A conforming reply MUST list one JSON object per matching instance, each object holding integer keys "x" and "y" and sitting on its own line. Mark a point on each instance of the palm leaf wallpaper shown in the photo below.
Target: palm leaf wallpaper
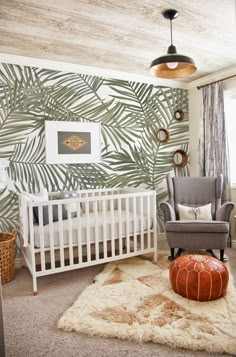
{"x": 130, "y": 114}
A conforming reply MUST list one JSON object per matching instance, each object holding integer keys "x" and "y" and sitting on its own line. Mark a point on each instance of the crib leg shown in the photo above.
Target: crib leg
{"x": 155, "y": 255}
{"x": 155, "y": 247}
{"x": 35, "y": 289}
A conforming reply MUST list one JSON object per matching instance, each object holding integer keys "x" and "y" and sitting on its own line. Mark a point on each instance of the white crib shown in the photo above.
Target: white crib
{"x": 110, "y": 224}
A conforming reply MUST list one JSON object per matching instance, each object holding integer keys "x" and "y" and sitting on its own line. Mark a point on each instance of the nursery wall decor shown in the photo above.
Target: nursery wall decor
{"x": 129, "y": 114}
{"x": 72, "y": 142}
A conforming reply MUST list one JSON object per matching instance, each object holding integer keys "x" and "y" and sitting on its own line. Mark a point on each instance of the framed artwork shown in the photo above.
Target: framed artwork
{"x": 72, "y": 142}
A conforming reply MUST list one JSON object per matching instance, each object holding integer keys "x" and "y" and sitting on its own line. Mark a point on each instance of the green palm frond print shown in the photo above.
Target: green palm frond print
{"x": 130, "y": 114}
{"x": 8, "y": 210}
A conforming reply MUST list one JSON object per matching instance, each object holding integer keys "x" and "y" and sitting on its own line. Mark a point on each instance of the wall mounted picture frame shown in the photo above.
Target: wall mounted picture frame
{"x": 179, "y": 114}
{"x": 162, "y": 135}
{"x": 180, "y": 158}
{"x": 72, "y": 142}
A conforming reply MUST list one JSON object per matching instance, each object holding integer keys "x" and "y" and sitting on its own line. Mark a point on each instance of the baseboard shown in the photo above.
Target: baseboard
{"x": 18, "y": 263}
{"x": 234, "y": 244}
{"x": 163, "y": 236}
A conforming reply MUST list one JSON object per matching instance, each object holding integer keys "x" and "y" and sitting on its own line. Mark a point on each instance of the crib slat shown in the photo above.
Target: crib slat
{"x": 31, "y": 227}
{"x": 61, "y": 238}
{"x": 32, "y": 267}
{"x": 100, "y": 201}
{"x": 154, "y": 227}
{"x": 120, "y": 226}
{"x": 96, "y": 230}
{"x": 148, "y": 222}
{"x": 71, "y": 257}
{"x": 135, "y": 223}
{"x": 104, "y": 228}
{"x": 88, "y": 231}
{"x": 51, "y": 237}
{"x": 112, "y": 228}
{"x": 141, "y": 222}
{"x": 127, "y": 224}
{"x": 41, "y": 238}
{"x": 79, "y": 233}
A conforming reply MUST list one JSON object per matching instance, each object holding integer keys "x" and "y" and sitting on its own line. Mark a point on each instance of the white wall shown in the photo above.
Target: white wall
{"x": 230, "y": 83}
{"x": 194, "y": 120}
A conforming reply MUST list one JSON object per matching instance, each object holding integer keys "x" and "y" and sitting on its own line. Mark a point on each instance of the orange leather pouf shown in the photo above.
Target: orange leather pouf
{"x": 199, "y": 277}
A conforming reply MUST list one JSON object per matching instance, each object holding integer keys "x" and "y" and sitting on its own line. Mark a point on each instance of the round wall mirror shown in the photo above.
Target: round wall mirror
{"x": 179, "y": 114}
{"x": 180, "y": 158}
{"x": 162, "y": 135}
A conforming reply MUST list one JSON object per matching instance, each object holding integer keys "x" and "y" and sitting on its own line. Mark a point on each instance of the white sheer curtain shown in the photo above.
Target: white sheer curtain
{"x": 230, "y": 113}
{"x": 213, "y": 147}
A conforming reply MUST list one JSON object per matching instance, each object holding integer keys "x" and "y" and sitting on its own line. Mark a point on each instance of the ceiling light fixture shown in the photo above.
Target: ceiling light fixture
{"x": 172, "y": 65}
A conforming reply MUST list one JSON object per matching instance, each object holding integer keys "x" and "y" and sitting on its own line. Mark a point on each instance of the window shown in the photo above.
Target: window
{"x": 230, "y": 115}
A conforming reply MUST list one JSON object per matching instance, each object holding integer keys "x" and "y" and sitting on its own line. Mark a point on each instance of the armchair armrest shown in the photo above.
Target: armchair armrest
{"x": 169, "y": 212}
{"x": 224, "y": 211}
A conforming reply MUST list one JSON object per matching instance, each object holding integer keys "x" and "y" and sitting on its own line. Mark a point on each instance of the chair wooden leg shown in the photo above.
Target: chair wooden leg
{"x": 179, "y": 252}
{"x": 222, "y": 252}
{"x": 172, "y": 254}
{"x": 210, "y": 251}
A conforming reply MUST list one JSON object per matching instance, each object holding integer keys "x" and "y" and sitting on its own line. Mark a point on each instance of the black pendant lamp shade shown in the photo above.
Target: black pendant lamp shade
{"x": 172, "y": 65}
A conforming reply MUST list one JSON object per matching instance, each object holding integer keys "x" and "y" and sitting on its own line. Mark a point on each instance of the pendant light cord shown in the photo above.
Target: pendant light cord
{"x": 171, "y": 36}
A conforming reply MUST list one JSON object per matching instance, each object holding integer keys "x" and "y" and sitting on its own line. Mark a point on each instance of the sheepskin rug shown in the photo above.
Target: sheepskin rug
{"x": 132, "y": 299}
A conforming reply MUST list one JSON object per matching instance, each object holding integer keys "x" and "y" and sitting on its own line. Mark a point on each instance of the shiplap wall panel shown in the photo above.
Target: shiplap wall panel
{"x": 120, "y": 35}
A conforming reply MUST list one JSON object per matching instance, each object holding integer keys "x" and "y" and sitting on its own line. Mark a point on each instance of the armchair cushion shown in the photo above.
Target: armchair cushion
{"x": 169, "y": 212}
{"x": 197, "y": 226}
{"x": 223, "y": 212}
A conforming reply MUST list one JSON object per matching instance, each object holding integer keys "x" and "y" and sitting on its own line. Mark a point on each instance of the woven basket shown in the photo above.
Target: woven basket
{"x": 7, "y": 256}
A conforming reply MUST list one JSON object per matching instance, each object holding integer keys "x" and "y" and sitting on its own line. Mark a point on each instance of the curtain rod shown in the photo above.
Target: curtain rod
{"x": 223, "y": 79}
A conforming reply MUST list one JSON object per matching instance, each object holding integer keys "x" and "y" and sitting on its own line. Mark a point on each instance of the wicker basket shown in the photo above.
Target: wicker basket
{"x": 7, "y": 256}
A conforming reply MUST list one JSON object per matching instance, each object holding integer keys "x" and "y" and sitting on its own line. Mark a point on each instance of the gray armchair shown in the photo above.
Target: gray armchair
{"x": 196, "y": 234}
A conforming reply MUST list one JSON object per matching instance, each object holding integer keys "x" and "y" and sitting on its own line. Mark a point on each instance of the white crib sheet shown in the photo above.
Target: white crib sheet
{"x": 92, "y": 225}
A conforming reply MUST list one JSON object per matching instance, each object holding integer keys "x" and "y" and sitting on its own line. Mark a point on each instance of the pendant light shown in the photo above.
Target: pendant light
{"x": 172, "y": 65}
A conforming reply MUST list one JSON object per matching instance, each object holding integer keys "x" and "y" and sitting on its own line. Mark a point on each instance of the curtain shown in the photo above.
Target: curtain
{"x": 213, "y": 147}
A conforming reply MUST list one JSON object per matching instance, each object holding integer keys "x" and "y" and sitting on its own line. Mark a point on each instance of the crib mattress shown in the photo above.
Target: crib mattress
{"x": 112, "y": 231}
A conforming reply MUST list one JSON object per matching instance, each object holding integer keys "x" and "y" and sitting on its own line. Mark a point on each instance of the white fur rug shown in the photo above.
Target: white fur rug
{"x": 132, "y": 299}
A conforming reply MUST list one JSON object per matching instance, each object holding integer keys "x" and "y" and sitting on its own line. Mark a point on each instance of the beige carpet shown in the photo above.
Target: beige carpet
{"x": 31, "y": 322}
{"x": 132, "y": 299}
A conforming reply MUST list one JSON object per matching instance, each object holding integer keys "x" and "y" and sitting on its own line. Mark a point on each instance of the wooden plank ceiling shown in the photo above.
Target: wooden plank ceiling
{"x": 123, "y": 35}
